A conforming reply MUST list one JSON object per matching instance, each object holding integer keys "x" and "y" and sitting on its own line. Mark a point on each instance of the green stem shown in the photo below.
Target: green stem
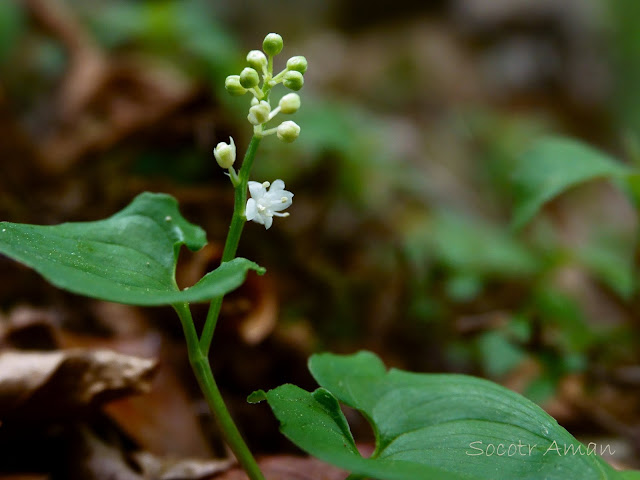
{"x": 202, "y": 369}
{"x": 233, "y": 238}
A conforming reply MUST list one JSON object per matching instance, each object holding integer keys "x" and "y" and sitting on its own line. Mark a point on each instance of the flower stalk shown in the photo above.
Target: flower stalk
{"x": 202, "y": 369}
{"x": 238, "y": 220}
{"x": 267, "y": 200}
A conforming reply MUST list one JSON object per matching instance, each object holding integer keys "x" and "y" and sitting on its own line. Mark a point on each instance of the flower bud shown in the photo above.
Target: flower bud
{"x": 290, "y": 103}
{"x": 233, "y": 86}
{"x": 256, "y": 59}
{"x": 258, "y": 114}
{"x": 288, "y": 131}
{"x": 272, "y": 44}
{"x": 225, "y": 154}
{"x": 249, "y": 78}
{"x": 293, "y": 80}
{"x": 298, "y": 64}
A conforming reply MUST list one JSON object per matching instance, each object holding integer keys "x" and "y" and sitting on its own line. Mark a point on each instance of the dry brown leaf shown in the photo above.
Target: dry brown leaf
{"x": 261, "y": 320}
{"x": 183, "y": 469}
{"x": 31, "y": 328}
{"x": 162, "y": 421}
{"x": 102, "y": 99}
{"x": 38, "y": 386}
{"x": 288, "y": 467}
{"x": 94, "y": 458}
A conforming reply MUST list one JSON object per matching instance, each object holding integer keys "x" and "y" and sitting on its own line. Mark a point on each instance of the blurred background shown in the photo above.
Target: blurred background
{"x": 399, "y": 240}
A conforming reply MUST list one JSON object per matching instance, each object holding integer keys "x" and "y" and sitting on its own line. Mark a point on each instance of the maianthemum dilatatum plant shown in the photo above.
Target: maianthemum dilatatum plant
{"x": 426, "y": 426}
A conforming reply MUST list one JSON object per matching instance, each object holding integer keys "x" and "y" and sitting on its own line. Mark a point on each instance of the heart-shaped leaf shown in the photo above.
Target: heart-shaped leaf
{"x": 127, "y": 258}
{"x": 554, "y": 165}
{"x": 429, "y": 426}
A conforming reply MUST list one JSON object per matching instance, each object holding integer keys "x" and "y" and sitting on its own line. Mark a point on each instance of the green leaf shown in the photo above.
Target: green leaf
{"x": 127, "y": 258}
{"x": 630, "y": 475}
{"x": 554, "y": 165}
{"x": 429, "y": 426}
{"x": 498, "y": 354}
{"x": 314, "y": 423}
{"x": 469, "y": 246}
{"x": 612, "y": 262}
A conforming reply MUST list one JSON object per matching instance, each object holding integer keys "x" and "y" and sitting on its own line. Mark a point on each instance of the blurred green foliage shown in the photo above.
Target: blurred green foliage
{"x": 372, "y": 221}
{"x": 625, "y": 54}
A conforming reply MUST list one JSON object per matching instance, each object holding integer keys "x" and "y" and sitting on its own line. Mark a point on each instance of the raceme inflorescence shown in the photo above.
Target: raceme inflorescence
{"x": 267, "y": 200}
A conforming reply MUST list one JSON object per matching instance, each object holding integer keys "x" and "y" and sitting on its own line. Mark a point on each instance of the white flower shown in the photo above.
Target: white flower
{"x": 265, "y": 202}
{"x": 225, "y": 153}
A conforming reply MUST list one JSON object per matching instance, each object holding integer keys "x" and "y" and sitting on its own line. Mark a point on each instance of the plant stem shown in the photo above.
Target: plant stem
{"x": 233, "y": 238}
{"x": 202, "y": 369}
{"x": 199, "y": 349}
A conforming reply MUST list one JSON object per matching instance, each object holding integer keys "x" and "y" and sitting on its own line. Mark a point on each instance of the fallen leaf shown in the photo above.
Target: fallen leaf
{"x": 36, "y": 386}
{"x": 31, "y": 328}
{"x": 288, "y": 467}
{"x": 162, "y": 421}
{"x": 94, "y": 458}
{"x": 182, "y": 469}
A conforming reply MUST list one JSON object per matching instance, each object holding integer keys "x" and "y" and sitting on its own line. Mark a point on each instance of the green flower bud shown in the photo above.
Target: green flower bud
{"x": 272, "y": 44}
{"x": 233, "y": 86}
{"x": 288, "y": 131}
{"x": 290, "y": 103}
{"x": 258, "y": 114}
{"x": 293, "y": 80}
{"x": 299, "y": 64}
{"x": 256, "y": 59}
{"x": 225, "y": 153}
{"x": 249, "y": 78}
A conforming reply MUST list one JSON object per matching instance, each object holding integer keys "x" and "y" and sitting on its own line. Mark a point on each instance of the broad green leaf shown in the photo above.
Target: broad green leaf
{"x": 127, "y": 258}
{"x": 554, "y": 165}
{"x": 315, "y": 424}
{"x": 430, "y": 426}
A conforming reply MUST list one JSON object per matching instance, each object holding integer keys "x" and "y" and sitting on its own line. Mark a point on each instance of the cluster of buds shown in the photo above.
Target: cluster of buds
{"x": 258, "y": 79}
{"x": 267, "y": 200}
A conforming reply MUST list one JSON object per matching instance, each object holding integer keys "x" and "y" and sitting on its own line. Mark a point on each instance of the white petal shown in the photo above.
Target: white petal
{"x": 277, "y": 204}
{"x": 274, "y": 197}
{"x": 251, "y": 210}
{"x": 278, "y": 207}
{"x": 256, "y": 190}
{"x": 267, "y": 222}
{"x": 277, "y": 185}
